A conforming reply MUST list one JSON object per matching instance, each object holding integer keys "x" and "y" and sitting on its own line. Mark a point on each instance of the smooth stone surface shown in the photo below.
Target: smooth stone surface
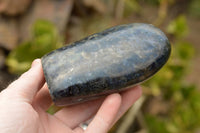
{"x": 106, "y": 62}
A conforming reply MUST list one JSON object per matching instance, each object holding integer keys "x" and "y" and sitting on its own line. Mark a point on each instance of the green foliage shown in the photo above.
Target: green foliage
{"x": 153, "y": 2}
{"x": 53, "y": 109}
{"x": 44, "y": 39}
{"x": 131, "y": 6}
{"x": 155, "y": 124}
{"x": 194, "y": 8}
{"x": 178, "y": 27}
{"x": 183, "y": 116}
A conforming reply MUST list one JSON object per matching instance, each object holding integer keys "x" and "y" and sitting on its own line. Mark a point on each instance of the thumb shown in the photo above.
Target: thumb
{"x": 26, "y": 87}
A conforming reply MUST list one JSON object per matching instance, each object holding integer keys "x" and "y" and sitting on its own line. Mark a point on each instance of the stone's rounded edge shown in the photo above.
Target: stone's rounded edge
{"x": 163, "y": 59}
{"x": 152, "y": 28}
{"x": 168, "y": 49}
{"x": 43, "y": 61}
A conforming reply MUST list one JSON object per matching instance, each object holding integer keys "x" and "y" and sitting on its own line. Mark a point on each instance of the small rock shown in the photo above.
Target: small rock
{"x": 104, "y": 63}
{"x": 56, "y": 11}
{"x": 8, "y": 33}
{"x": 13, "y": 7}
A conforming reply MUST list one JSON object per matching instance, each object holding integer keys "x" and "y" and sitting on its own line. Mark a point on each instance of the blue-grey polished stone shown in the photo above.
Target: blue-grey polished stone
{"x": 105, "y": 62}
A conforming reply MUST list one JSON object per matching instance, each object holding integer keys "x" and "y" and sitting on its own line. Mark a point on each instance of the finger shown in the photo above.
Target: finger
{"x": 43, "y": 98}
{"x": 106, "y": 115}
{"x": 26, "y": 87}
{"x": 53, "y": 125}
{"x": 129, "y": 97}
{"x": 78, "y": 130}
{"x": 73, "y": 115}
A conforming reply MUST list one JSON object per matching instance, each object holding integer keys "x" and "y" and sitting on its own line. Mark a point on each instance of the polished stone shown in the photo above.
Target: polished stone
{"x": 105, "y": 62}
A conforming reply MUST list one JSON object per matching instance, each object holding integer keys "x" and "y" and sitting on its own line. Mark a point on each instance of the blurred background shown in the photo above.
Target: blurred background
{"x": 171, "y": 100}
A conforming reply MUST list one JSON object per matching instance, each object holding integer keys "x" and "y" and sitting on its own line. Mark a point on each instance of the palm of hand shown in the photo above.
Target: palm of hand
{"x": 24, "y": 103}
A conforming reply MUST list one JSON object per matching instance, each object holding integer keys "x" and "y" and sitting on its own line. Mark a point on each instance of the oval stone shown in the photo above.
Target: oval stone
{"x": 105, "y": 62}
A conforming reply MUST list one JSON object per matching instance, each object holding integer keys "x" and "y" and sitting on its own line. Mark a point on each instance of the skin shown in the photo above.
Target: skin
{"x": 24, "y": 102}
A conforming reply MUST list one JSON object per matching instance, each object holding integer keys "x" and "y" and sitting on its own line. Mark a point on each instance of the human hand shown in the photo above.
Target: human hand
{"x": 23, "y": 106}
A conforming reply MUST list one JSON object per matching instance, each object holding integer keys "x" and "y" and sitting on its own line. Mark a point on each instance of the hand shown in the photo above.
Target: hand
{"x": 24, "y": 103}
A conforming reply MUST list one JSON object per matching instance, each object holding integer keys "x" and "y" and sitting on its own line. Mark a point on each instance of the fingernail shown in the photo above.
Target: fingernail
{"x": 35, "y": 62}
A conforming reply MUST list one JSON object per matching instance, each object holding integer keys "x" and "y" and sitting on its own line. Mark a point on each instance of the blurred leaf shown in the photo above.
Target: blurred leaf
{"x": 185, "y": 50}
{"x": 178, "y": 71}
{"x": 45, "y": 39}
{"x": 131, "y": 6}
{"x": 43, "y": 27}
{"x": 194, "y": 8}
{"x": 153, "y": 2}
{"x": 53, "y": 109}
{"x": 178, "y": 27}
{"x": 187, "y": 91}
{"x": 155, "y": 125}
